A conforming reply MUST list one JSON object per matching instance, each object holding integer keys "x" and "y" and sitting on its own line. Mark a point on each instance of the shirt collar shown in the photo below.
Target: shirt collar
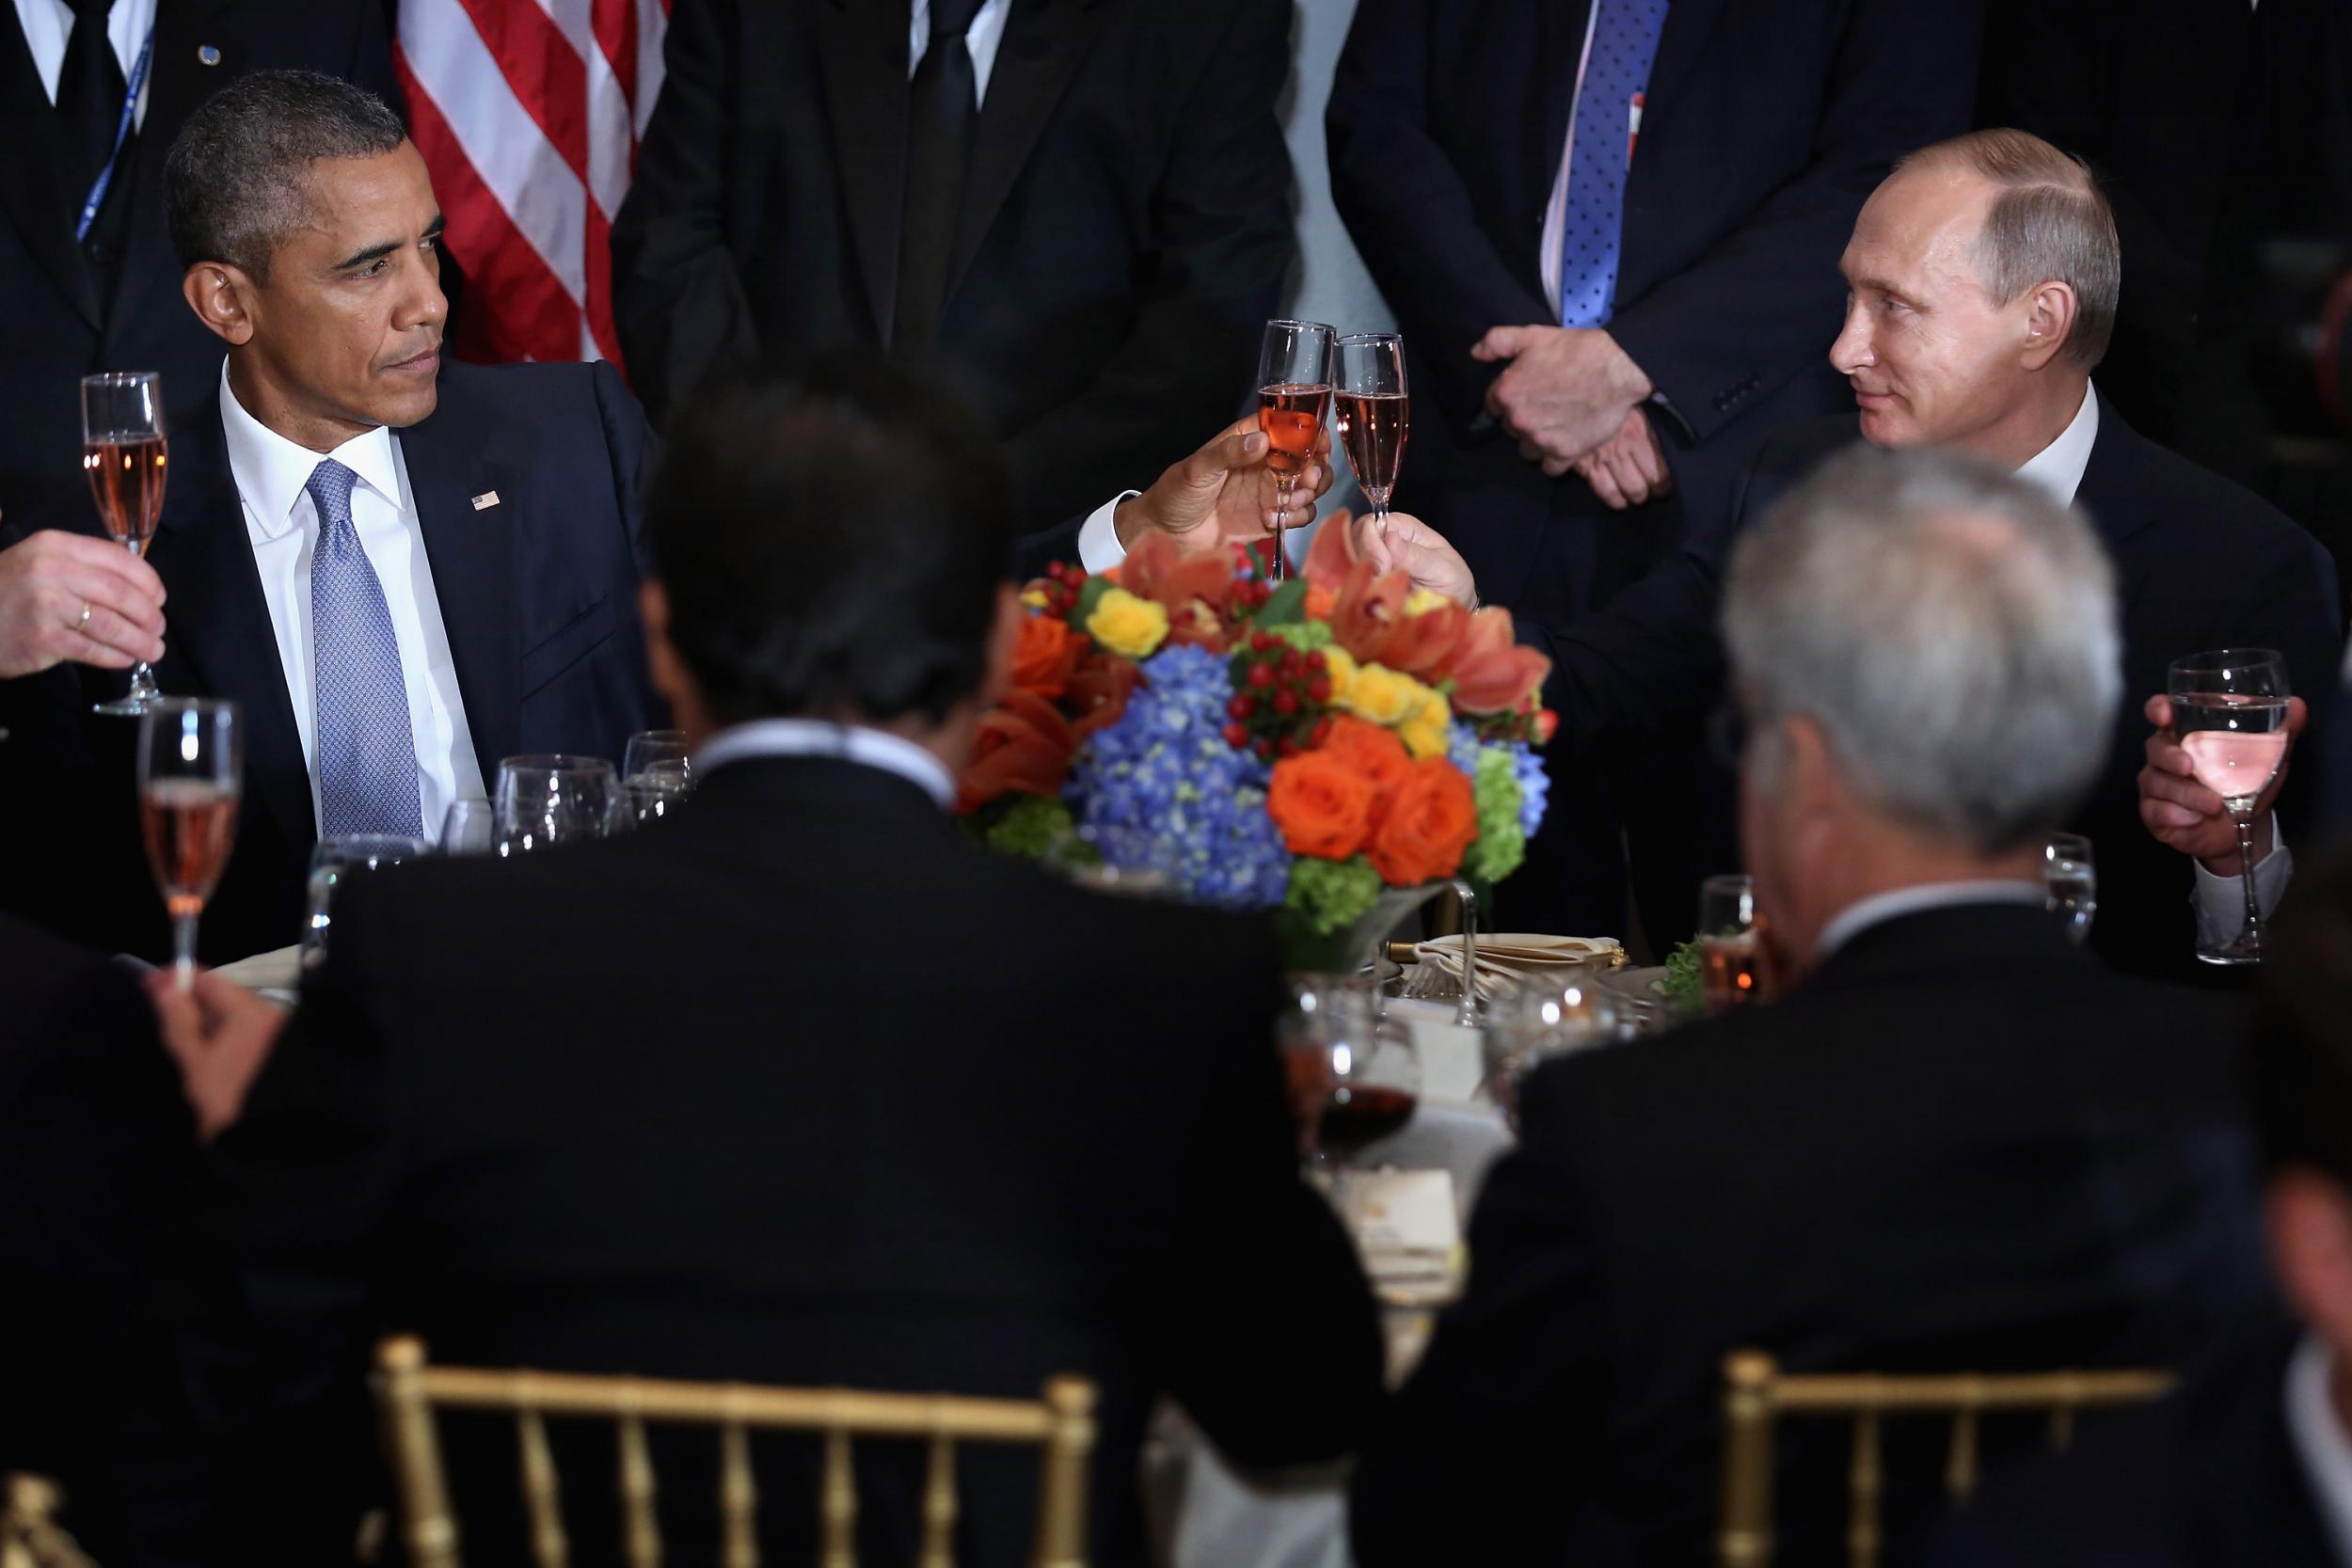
{"x": 2058, "y": 468}
{"x": 807, "y": 737}
{"x": 2320, "y": 1442}
{"x": 270, "y": 471}
{"x": 1860, "y": 915}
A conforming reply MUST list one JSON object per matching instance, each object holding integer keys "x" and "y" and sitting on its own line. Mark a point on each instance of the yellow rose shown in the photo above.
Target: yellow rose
{"x": 1127, "y": 625}
{"x": 1423, "y": 600}
{"x": 1380, "y": 694}
{"x": 1425, "y": 733}
{"x": 1339, "y": 665}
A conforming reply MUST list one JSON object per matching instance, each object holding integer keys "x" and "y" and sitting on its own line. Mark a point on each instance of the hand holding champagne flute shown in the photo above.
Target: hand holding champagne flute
{"x": 123, "y": 457}
{"x": 191, "y": 772}
{"x": 1294, "y": 385}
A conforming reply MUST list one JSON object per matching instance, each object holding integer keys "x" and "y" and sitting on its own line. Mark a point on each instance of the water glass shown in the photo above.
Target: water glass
{"x": 1729, "y": 975}
{"x": 656, "y": 750}
{"x": 332, "y": 859}
{"x": 550, "y": 799}
{"x": 1539, "y": 1022}
{"x": 2072, "y": 880}
{"x": 2229, "y": 710}
{"x": 470, "y": 827}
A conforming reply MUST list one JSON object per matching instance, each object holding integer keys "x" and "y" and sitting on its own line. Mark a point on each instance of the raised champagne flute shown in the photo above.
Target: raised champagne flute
{"x": 1374, "y": 415}
{"x": 1294, "y": 387}
{"x": 191, "y": 769}
{"x": 1728, "y": 973}
{"x": 2230, "y": 714}
{"x": 122, "y": 456}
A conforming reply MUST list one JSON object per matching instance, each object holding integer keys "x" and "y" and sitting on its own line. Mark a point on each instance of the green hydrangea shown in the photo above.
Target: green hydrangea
{"x": 1331, "y": 896}
{"x": 1305, "y": 636}
{"x": 1029, "y": 826}
{"x": 1501, "y": 842}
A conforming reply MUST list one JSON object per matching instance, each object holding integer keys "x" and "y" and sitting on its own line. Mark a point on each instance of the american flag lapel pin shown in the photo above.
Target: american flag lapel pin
{"x": 485, "y": 501}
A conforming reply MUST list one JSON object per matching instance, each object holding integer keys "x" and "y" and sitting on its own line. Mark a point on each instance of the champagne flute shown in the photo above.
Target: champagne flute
{"x": 1374, "y": 414}
{"x": 1729, "y": 972}
{"x": 191, "y": 768}
{"x": 2072, "y": 880}
{"x": 1294, "y": 384}
{"x": 2230, "y": 714}
{"x": 550, "y": 799}
{"x": 123, "y": 458}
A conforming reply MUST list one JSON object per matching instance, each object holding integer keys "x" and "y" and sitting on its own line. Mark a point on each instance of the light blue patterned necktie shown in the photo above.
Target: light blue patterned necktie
{"x": 367, "y": 753}
{"x": 1625, "y": 42}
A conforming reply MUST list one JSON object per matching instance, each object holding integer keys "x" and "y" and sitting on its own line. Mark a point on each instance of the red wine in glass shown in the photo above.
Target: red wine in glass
{"x": 1357, "y": 1116}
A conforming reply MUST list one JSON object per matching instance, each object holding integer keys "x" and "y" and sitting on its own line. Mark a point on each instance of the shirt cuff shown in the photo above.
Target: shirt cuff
{"x": 2221, "y": 900}
{"x": 1099, "y": 548}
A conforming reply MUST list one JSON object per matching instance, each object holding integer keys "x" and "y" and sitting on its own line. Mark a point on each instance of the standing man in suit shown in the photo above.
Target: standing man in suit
{"x": 101, "y": 290}
{"x": 1607, "y": 229}
{"x": 402, "y": 572}
{"x": 615, "y": 1147}
{"x": 1961, "y": 1143}
{"x": 1077, "y": 209}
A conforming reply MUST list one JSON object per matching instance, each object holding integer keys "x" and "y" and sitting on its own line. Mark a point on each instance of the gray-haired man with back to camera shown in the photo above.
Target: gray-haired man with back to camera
{"x": 1960, "y": 1143}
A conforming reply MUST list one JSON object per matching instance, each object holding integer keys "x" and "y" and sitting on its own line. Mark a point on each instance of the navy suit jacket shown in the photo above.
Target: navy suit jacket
{"x": 2199, "y": 564}
{"x": 538, "y": 593}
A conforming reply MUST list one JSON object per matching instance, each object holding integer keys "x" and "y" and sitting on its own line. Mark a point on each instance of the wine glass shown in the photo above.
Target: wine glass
{"x": 656, "y": 793}
{"x": 123, "y": 458}
{"x": 2072, "y": 878}
{"x": 1728, "y": 973}
{"x": 1294, "y": 384}
{"x": 1538, "y": 1022}
{"x": 336, "y": 858}
{"x": 650, "y": 748}
{"x": 1374, "y": 414}
{"x": 550, "y": 799}
{"x": 470, "y": 827}
{"x": 191, "y": 769}
{"x": 1354, "y": 1078}
{"x": 2230, "y": 714}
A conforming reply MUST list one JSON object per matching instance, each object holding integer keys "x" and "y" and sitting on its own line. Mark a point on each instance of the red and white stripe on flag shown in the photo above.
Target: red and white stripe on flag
{"x": 528, "y": 113}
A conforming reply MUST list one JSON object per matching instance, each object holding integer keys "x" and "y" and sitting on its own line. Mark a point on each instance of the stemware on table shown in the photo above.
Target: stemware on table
{"x": 1293, "y": 390}
{"x": 470, "y": 827}
{"x": 1729, "y": 975}
{"x": 2230, "y": 714}
{"x": 658, "y": 754}
{"x": 1354, "y": 1077}
{"x": 191, "y": 774}
{"x": 547, "y": 799}
{"x": 333, "y": 860}
{"x": 123, "y": 457}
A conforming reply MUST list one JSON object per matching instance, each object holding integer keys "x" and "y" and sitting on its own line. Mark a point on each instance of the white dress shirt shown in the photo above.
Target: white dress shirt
{"x": 1863, "y": 913}
{"x": 48, "y": 23}
{"x": 2320, "y": 1442}
{"x": 282, "y": 522}
{"x": 979, "y": 40}
{"x": 815, "y": 737}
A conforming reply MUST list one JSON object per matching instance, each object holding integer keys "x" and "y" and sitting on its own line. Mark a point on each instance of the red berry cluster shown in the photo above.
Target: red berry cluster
{"x": 1062, "y": 585}
{"x": 1278, "y": 694}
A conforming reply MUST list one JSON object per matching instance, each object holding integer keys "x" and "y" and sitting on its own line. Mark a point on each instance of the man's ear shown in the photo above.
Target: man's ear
{"x": 1004, "y": 636}
{"x": 222, "y": 297}
{"x": 2308, "y": 1219}
{"x": 2050, "y": 318}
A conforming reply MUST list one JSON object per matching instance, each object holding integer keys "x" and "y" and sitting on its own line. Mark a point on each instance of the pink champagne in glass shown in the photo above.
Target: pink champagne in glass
{"x": 2229, "y": 710}
{"x": 123, "y": 457}
{"x": 1374, "y": 414}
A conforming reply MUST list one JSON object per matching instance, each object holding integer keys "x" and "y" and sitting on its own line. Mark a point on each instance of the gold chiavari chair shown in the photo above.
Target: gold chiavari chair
{"x": 408, "y": 1391}
{"x": 1756, "y": 1394}
{"x": 29, "y": 1534}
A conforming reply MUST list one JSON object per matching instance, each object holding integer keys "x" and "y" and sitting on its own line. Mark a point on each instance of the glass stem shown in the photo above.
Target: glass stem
{"x": 2245, "y": 823}
{"x": 183, "y": 949}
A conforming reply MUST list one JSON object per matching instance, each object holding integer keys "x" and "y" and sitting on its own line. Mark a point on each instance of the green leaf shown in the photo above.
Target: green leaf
{"x": 1288, "y": 604}
{"x": 1089, "y": 596}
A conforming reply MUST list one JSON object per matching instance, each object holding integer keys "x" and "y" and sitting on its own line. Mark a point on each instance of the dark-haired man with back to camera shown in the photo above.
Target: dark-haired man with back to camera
{"x": 1018, "y": 1128}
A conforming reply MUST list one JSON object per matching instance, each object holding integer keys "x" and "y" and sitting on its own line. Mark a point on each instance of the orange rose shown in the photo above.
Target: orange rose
{"x": 1371, "y": 751}
{"x": 1046, "y": 655}
{"x": 1023, "y": 747}
{"x": 1430, "y": 823}
{"x": 1323, "y": 806}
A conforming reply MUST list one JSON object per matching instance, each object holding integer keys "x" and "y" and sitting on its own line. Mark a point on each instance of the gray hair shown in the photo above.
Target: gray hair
{"x": 1950, "y": 628}
{"x": 2051, "y": 223}
{"x": 235, "y": 182}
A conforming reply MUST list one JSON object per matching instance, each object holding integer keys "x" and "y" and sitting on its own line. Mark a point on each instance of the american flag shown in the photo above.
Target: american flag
{"x": 528, "y": 113}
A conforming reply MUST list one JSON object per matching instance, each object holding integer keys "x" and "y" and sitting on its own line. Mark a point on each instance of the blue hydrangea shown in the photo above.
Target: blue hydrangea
{"x": 1527, "y": 769}
{"x": 1161, "y": 791}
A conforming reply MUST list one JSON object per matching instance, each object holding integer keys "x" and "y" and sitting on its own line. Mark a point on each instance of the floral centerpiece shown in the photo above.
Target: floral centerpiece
{"x": 1310, "y": 747}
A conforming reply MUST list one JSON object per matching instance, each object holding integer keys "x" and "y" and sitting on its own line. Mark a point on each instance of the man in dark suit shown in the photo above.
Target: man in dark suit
{"x": 1599, "y": 343}
{"x": 1945, "y": 347}
{"x": 2250, "y": 1463}
{"x": 1076, "y": 209}
{"x": 402, "y": 573}
{"x": 1960, "y": 1143}
{"x": 617, "y": 1146}
{"x": 110, "y": 300}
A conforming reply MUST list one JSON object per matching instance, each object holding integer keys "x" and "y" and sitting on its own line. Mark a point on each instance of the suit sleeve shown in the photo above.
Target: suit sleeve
{"x": 1746, "y": 315}
{"x": 632, "y": 445}
{"x": 1484, "y": 1455}
{"x": 1220, "y": 242}
{"x": 677, "y": 302}
{"x": 1408, "y": 210}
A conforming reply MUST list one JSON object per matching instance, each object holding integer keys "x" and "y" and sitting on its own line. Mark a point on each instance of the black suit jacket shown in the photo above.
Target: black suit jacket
{"x": 2208, "y": 1479}
{"x": 58, "y": 328}
{"x": 1962, "y": 1144}
{"x": 98, "y": 1158}
{"x": 1124, "y": 231}
{"x": 1763, "y": 128}
{"x": 2199, "y": 564}
{"x": 539, "y": 594}
{"x": 760, "y": 1098}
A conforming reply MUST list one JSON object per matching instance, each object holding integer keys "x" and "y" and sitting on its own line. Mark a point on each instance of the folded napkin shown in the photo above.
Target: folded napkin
{"x": 278, "y": 969}
{"x": 1507, "y": 960}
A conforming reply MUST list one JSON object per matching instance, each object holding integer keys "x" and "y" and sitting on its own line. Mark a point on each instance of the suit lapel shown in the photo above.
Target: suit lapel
{"x": 218, "y": 621}
{"x": 178, "y": 81}
{"x": 1041, "y": 47}
{"x": 472, "y": 555}
{"x": 32, "y": 181}
{"x": 2112, "y": 490}
{"x": 863, "y": 45}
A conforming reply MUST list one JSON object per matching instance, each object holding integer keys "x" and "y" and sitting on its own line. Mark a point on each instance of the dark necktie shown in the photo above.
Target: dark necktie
{"x": 90, "y": 94}
{"x": 943, "y": 111}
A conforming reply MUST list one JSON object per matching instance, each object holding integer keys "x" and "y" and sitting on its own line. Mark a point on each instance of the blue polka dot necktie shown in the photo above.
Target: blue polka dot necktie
{"x": 367, "y": 753}
{"x": 1625, "y": 42}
